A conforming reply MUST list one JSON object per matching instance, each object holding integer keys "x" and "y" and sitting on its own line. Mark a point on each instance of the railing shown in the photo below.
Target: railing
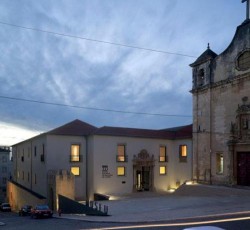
{"x": 163, "y": 158}
{"x": 120, "y": 158}
{"x": 75, "y": 158}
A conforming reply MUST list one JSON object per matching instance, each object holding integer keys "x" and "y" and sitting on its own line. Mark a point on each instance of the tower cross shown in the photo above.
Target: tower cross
{"x": 248, "y": 7}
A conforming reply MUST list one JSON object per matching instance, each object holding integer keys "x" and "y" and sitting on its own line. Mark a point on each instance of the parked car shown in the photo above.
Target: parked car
{"x": 41, "y": 211}
{"x": 5, "y": 207}
{"x": 25, "y": 210}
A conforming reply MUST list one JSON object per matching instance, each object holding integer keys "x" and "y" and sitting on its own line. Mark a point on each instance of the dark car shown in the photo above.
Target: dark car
{"x": 41, "y": 211}
{"x": 25, "y": 210}
{"x": 5, "y": 207}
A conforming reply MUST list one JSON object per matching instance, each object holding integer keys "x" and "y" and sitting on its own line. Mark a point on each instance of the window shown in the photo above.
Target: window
{"x": 163, "y": 154}
{"x": 43, "y": 154}
{"x": 201, "y": 77}
{"x": 183, "y": 153}
{"x": 4, "y": 159}
{"x": 121, "y": 154}
{"x": 120, "y": 171}
{"x": 243, "y": 61}
{"x": 163, "y": 170}
{"x": 35, "y": 151}
{"x": 4, "y": 180}
{"x": 219, "y": 163}
{"x": 4, "y": 169}
{"x": 75, "y": 171}
{"x": 75, "y": 153}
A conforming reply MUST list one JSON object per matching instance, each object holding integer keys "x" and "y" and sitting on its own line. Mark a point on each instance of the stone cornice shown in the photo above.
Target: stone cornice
{"x": 237, "y": 79}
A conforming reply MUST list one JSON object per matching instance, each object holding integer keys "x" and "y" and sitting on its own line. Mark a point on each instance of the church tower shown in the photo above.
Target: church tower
{"x": 221, "y": 112}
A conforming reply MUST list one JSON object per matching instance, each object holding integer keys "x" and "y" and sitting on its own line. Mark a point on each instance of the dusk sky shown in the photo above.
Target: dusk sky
{"x": 66, "y": 52}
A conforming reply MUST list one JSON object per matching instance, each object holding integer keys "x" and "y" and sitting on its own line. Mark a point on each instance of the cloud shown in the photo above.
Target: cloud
{"x": 13, "y": 134}
{"x": 65, "y": 70}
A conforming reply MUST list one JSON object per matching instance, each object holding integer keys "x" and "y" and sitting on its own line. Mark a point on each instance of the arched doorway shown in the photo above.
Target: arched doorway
{"x": 143, "y": 171}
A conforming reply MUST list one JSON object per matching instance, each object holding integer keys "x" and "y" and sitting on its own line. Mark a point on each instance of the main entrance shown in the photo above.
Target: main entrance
{"x": 143, "y": 171}
{"x": 142, "y": 179}
{"x": 243, "y": 168}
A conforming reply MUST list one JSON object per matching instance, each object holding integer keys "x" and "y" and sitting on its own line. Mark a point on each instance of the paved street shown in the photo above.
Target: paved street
{"x": 189, "y": 205}
{"x": 187, "y": 202}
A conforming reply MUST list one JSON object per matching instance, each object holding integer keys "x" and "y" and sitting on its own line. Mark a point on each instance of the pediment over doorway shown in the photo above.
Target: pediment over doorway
{"x": 144, "y": 158}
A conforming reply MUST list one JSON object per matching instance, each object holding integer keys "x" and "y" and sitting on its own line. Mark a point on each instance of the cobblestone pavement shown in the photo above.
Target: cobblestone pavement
{"x": 187, "y": 202}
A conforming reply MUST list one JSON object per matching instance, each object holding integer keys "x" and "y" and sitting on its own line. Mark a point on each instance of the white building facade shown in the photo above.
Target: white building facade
{"x": 108, "y": 161}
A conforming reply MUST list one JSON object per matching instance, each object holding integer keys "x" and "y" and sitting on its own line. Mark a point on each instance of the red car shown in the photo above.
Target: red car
{"x": 41, "y": 211}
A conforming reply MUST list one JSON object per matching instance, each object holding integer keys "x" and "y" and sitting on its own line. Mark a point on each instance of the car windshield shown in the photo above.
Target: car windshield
{"x": 42, "y": 207}
{"x": 5, "y": 205}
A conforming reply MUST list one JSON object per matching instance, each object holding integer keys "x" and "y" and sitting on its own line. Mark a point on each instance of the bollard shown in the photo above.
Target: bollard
{"x": 59, "y": 212}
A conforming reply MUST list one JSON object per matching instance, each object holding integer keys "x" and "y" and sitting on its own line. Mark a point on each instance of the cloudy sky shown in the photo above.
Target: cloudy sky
{"x": 61, "y": 60}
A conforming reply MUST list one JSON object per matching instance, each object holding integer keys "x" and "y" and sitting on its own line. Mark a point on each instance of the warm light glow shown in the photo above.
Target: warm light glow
{"x": 121, "y": 153}
{"x": 120, "y": 171}
{"x": 75, "y": 171}
{"x": 171, "y": 190}
{"x": 183, "y": 150}
{"x": 191, "y": 183}
{"x": 162, "y": 154}
{"x": 75, "y": 152}
{"x": 162, "y": 170}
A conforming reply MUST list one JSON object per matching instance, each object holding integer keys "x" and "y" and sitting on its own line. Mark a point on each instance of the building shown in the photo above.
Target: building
{"x": 221, "y": 112}
{"x": 107, "y": 160}
{"x": 5, "y": 170}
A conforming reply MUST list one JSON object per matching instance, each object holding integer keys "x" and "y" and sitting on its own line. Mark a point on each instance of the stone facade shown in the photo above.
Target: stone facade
{"x": 221, "y": 115}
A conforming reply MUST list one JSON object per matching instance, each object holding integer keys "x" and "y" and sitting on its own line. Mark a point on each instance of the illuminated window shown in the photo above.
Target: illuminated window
{"x": 183, "y": 153}
{"x": 163, "y": 170}
{"x": 120, "y": 171}
{"x": 219, "y": 163}
{"x": 75, "y": 153}
{"x": 163, "y": 154}
{"x": 75, "y": 171}
{"x": 121, "y": 153}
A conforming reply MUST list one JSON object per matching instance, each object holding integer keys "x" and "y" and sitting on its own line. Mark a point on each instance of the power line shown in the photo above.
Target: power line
{"x": 93, "y": 108}
{"x": 95, "y": 40}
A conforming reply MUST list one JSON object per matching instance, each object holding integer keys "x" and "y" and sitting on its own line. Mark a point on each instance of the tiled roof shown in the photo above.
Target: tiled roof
{"x": 174, "y": 133}
{"x": 205, "y": 56}
{"x": 74, "y": 128}
{"x": 80, "y": 128}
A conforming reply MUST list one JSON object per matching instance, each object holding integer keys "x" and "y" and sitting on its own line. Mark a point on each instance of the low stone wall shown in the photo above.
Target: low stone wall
{"x": 18, "y": 196}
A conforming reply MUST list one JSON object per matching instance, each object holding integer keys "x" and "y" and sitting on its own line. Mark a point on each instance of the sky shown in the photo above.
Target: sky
{"x": 108, "y": 63}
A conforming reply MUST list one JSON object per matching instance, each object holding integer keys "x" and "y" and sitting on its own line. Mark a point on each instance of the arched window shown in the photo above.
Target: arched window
{"x": 201, "y": 77}
{"x": 243, "y": 60}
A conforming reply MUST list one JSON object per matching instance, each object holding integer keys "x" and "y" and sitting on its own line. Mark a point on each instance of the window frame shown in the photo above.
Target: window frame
{"x": 165, "y": 170}
{"x": 239, "y": 60}
{"x": 121, "y": 157}
{"x": 75, "y": 167}
{"x": 163, "y": 158}
{"x": 75, "y": 157}
{"x": 219, "y": 163}
{"x": 182, "y": 157}
{"x": 117, "y": 171}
